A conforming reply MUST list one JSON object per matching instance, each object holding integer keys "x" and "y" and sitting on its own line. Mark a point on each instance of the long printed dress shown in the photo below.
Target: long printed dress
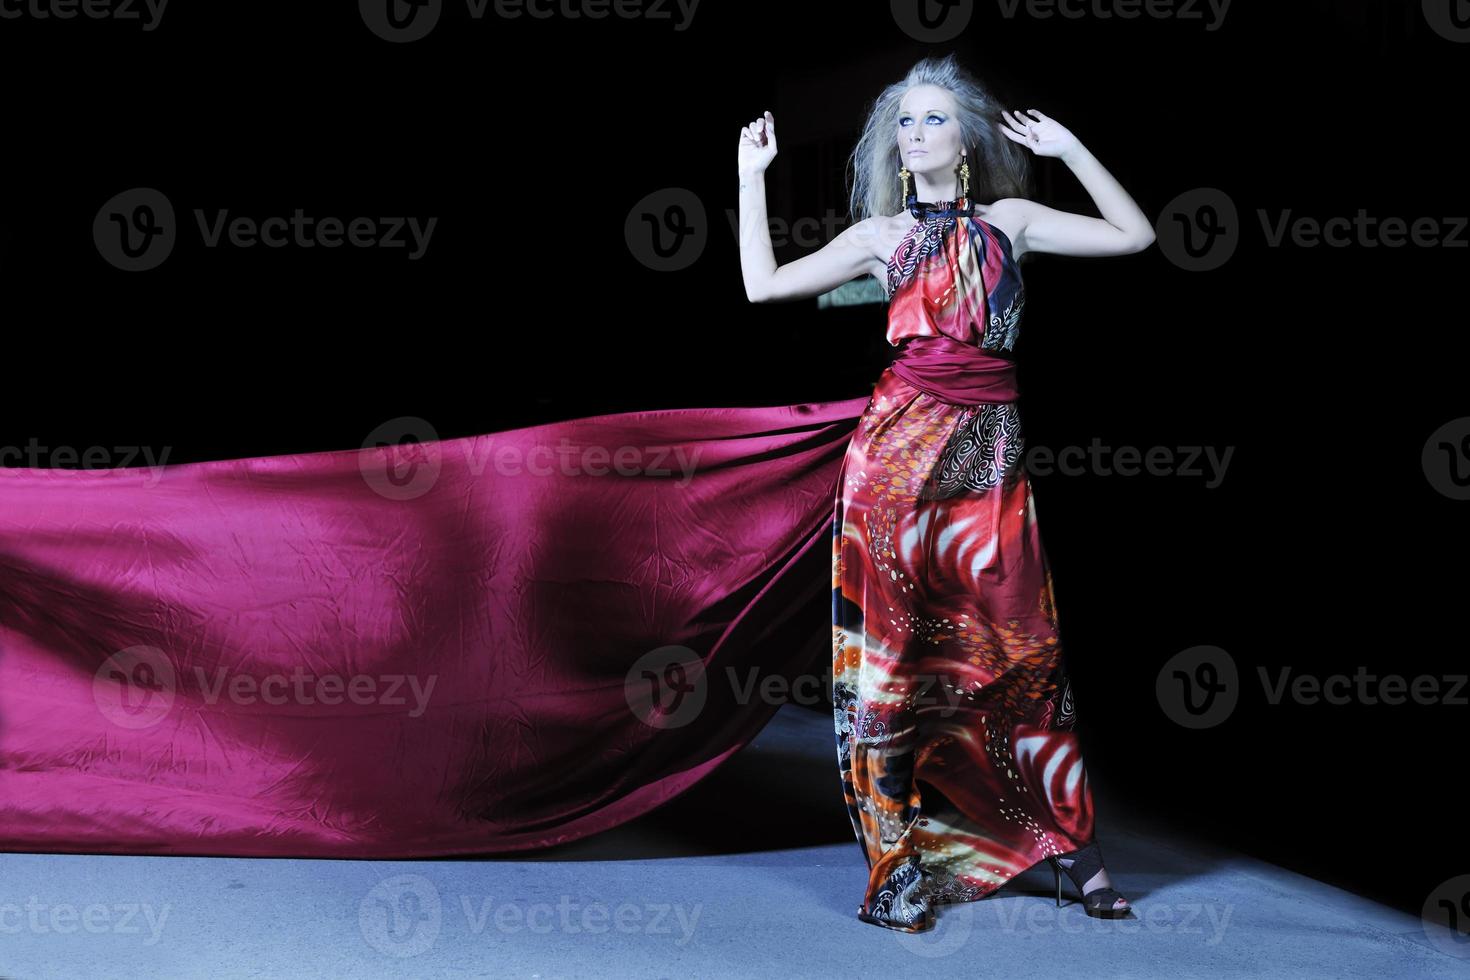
{"x": 952, "y": 709}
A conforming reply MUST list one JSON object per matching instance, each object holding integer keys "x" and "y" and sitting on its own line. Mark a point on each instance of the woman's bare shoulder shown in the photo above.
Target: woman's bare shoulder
{"x": 1011, "y": 215}
{"x": 1016, "y": 208}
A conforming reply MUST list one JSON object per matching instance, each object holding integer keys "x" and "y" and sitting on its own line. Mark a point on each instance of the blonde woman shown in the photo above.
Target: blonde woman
{"x": 952, "y": 707}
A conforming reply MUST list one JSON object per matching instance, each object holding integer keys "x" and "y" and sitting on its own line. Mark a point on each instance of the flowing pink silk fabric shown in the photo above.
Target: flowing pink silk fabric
{"x": 407, "y": 651}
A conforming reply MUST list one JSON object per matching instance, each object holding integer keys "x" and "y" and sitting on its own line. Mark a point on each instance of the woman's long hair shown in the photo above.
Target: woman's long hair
{"x": 998, "y": 167}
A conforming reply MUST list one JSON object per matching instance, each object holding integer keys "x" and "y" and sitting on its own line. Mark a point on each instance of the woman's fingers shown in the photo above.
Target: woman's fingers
{"x": 1022, "y": 128}
{"x": 761, "y": 132}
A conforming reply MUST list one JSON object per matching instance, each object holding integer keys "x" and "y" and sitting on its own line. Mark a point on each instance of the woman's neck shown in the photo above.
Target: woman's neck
{"x": 931, "y": 190}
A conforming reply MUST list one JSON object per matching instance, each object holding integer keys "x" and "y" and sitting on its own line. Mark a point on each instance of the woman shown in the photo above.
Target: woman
{"x": 953, "y": 712}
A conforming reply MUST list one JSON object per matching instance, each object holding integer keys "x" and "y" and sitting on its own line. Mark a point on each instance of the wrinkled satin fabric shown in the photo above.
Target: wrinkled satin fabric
{"x": 484, "y": 644}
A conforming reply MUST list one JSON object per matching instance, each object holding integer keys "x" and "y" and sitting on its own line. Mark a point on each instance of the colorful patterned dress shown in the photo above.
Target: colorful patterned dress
{"x": 952, "y": 709}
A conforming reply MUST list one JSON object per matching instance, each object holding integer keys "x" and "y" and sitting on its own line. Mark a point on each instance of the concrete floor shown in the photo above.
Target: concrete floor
{"x": 694, "y": 890}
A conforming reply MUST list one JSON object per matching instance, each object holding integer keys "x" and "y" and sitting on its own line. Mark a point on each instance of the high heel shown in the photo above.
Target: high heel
{"x": 1086, "y": 863}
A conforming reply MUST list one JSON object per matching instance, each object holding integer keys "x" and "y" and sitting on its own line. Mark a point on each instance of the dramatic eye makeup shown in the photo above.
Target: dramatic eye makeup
{"x": 906, "y": 118}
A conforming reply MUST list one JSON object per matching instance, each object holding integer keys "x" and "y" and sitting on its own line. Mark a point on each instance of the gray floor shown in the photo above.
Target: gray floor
{"x": 693, "y": 890}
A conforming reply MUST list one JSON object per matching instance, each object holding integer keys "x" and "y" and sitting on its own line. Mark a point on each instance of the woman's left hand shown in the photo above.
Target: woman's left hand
{"x": 1044, "y": 135}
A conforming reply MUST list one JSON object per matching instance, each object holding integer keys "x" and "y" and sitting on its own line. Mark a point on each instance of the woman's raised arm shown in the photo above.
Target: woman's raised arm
{"x": 1123, "y": 227}
{"x": 841, "y": 260}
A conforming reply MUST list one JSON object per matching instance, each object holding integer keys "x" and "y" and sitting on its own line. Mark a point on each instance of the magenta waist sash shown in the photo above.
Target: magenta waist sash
{"x": 954, "y": 372}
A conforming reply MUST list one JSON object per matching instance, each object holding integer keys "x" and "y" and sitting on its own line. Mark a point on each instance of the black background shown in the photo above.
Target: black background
{"x": 1324, "y": 370}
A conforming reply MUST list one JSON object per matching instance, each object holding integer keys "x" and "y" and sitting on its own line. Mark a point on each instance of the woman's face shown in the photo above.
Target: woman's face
{"x": 928, "y": 133}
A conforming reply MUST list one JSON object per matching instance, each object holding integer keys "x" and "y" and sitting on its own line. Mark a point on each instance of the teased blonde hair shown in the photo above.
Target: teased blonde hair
{"x": 998, "y": 167}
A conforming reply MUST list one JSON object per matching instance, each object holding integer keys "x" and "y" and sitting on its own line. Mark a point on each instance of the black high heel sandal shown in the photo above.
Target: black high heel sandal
{"x": 1087, "y": 862}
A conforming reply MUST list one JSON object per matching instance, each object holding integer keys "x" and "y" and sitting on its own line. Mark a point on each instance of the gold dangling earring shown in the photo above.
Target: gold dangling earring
{"x": 903, "y": 176}
{"x": 965, "y": 176}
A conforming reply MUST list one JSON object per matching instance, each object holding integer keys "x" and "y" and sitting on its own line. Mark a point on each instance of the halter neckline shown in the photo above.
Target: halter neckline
{"x": 926, "y": 210}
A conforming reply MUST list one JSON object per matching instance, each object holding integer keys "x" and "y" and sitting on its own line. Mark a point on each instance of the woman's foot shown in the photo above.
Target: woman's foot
{"x": 1085, "y": 868}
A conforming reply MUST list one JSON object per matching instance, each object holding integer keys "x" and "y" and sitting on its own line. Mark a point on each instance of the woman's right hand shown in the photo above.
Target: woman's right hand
{"x": 758, "y": 144}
